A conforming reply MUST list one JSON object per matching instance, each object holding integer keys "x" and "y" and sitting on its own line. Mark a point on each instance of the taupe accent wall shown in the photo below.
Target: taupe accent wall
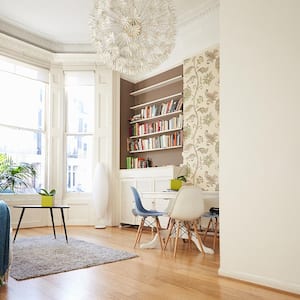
{"x": 201, "y": 119}
{"x": 159, "y": 158}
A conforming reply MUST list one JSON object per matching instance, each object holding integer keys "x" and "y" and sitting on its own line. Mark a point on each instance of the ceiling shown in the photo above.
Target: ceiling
{"x": 62, "y": 25}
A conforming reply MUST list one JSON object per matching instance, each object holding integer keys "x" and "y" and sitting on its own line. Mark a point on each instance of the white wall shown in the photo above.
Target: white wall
{"x": 260, "y": 142}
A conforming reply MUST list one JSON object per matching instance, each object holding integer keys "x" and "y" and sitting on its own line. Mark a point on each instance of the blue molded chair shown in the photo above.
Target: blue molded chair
{"x": 144, "y": 213}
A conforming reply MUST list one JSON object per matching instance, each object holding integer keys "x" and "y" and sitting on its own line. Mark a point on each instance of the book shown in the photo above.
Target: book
{"x": 179, "y": 105}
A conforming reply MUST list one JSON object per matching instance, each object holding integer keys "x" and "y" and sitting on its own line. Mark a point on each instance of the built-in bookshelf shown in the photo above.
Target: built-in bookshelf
{"x": 156, "y": 124}
{"x": 155, "y": 121}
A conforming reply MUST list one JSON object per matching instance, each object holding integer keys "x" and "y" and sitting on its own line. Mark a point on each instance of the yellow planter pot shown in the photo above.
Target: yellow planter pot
{"x": 47, "y": 201}
{"x": 176, "y": 184}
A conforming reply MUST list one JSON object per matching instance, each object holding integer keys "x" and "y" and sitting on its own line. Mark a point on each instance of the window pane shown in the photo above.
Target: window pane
{"x": 24, "y": 147}
{"x": 79, "y": 158}
{"x": 23, "y": 100}
{"x": 23, "y": 69}
{"x": 80, "y": 106}
{"x": 80, "y": 99}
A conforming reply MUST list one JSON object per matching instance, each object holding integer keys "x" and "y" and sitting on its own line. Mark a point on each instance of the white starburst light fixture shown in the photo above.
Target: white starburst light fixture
{"x": 132, "y": 36}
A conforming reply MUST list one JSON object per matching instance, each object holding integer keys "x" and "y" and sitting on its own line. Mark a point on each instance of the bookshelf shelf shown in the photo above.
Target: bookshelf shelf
{"x": 155, "y": 101}
{"x": 156, "y": 86}
{"x": 155, "y": 133}
{"x": 175, "y": 113}
{"x": 156, "y": 149}
{"x": 158, "y": 141}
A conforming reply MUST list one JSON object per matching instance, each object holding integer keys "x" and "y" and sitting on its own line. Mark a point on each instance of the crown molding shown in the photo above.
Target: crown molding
{"x": 35, "y": 55}
{"x": 23, "y": 51}
{"x": 41, "y": 42}
{"x": 206, "y": 8}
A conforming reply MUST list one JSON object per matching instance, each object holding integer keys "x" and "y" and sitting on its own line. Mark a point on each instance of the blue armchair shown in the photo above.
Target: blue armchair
{"x": 4, "y": 241}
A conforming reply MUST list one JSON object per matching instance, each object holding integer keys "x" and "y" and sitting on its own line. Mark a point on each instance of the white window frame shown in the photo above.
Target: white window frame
{"x": 20, "y": 68}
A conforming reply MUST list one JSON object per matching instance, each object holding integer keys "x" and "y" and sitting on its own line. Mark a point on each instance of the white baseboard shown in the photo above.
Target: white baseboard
{"x": 264, "y": 281}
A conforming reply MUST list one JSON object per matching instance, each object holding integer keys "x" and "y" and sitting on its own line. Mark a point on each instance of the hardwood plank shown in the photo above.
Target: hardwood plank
{"x": 153, "y": 275}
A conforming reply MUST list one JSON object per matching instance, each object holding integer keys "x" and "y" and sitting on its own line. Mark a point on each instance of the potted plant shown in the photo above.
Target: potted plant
{"x": 47, "y": 197}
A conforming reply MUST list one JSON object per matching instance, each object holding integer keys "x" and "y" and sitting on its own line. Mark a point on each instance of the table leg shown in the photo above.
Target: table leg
{"x": 207, "y": 228}
{"x": 158, "y": 229}
{"x": 51, "y": 212}
{"x": 63, "y": 219}
{"x": 21, "y": 216}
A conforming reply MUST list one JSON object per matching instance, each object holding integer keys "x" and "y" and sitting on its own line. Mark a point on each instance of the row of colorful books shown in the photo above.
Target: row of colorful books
{"x": 137, "y": 162}
{"x": 158, "y": 126}
{"x": 157, "y": 142}
{"x": 154, "y": 110}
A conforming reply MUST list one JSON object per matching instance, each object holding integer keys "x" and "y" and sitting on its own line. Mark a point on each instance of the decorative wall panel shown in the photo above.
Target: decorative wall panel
{"x": 201, "y": 119}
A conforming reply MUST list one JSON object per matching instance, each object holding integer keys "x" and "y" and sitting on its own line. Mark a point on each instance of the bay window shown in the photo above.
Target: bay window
{"x": 23, "y": 130}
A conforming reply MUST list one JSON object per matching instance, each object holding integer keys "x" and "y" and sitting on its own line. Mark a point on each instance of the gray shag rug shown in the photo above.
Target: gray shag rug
{"x": 44, "y": 255}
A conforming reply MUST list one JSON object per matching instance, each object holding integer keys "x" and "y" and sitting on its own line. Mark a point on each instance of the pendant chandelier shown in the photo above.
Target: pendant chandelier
{"x": 133, "y": 36}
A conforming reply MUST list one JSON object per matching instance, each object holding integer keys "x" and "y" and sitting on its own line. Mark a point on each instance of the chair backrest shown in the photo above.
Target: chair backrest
{"x": 188, "y": 205}
{"x": 137, "y": 199}
{"x": 4, "y": 237}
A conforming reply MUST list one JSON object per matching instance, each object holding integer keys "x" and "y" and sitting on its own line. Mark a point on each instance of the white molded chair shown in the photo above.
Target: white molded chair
{"x": 185, "y": 214}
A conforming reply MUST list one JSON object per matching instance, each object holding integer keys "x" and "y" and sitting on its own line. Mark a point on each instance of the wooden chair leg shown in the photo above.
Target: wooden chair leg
{"x": 188, "y": 228}
{"x": 158, "y": 228}
{"x": 139, "y": 232}
{"x": 142, "y": 228}
{"x": 169, "y": 223}
{"x": 171, "y": 226}
{"x": 177, "y": 236}
{"x": 198, "y": 237}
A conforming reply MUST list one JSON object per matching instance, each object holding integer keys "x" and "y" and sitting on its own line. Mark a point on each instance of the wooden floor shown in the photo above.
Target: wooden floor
{"x": 153, "y": 275}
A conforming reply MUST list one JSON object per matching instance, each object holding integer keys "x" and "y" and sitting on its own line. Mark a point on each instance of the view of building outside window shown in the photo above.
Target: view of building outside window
{"x": 22, "y": 147}
{"x": 80, "y": 98}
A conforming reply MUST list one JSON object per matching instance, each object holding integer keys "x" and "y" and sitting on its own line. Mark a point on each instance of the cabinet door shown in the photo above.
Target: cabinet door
{"x": 127, "y": 202}
{"x": 161, "y": 184}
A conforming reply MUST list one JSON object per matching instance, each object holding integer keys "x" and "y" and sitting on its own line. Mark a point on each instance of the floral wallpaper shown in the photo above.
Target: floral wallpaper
{"x": 201, "y": 119}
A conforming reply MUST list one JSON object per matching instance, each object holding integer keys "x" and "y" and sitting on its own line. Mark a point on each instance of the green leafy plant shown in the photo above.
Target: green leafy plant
{"x": 182, "y": 178}
{"x": 44, "y": 192}
{"x": 14, "y": 175}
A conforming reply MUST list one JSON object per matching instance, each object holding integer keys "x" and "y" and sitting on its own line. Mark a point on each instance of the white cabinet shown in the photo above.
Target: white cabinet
{"x": 126, "y": 205}
{"x": 145, "y": 180}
